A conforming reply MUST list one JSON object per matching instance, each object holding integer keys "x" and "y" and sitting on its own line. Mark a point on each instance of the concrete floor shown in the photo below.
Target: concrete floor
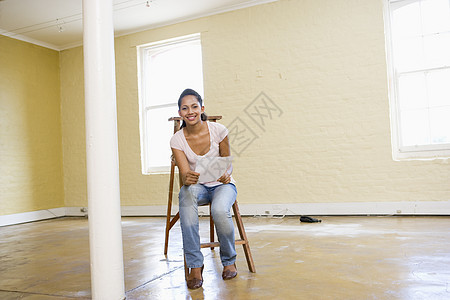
{"x": 340, "y": 258}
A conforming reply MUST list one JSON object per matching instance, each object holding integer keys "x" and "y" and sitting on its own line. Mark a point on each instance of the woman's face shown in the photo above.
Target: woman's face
{"x": 190, "y": 110}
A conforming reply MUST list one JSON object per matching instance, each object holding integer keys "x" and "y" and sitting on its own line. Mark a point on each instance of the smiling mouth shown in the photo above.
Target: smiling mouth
{"x": 191, "y": 118}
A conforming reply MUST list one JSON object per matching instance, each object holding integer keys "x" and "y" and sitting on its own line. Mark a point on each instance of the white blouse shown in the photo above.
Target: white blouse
{"x": 217, "y": 132}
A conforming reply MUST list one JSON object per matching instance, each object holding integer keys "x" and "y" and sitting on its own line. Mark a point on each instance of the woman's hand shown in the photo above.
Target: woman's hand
{"x": 225, "y": 178}
{"x": 191, "y": 177}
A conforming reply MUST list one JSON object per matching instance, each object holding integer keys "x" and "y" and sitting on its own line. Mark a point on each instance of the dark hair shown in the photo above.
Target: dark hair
{"x": 191, "y": 92}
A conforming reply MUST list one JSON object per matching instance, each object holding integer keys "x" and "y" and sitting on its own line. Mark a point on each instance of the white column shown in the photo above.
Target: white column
{"x": 105, "y": 232}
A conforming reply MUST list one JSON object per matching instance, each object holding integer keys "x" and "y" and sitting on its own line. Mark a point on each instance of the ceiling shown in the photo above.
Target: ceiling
{"x": 58, "y": 24}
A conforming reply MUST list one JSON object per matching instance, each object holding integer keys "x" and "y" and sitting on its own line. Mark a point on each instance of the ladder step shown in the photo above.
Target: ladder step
{"x": 217, "y": 244}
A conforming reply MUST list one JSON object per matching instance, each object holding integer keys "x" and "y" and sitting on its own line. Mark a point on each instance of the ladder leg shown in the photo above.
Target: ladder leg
{"x": 169, "y": 207}
{"x": 242, "y": 234}
{"x": 186, "y": 269}
{"x": 211, "y": 227}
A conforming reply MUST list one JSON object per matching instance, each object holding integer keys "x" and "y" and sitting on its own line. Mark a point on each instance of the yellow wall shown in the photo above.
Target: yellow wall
{"x": 321, "y": 62}
{"x": 73, "y": 127}
{"x": 30, "y": 128}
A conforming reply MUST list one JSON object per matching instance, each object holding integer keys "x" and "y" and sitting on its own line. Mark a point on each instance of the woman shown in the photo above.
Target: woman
{"x": 196, "y": 138}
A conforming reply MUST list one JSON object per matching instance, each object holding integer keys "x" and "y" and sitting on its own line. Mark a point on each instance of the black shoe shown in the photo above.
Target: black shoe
{"x": 309, "y": 219}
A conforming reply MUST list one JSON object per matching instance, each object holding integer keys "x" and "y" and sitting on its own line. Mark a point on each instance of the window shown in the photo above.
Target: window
{"x": 166, "y": 68}
{"x": 418, "y": 56}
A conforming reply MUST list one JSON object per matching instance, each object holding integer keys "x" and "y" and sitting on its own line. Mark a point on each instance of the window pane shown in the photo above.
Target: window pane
{"x": 435, "y": 16}
{"x": 437, "y": 50}
{"x": 418, "y": 49}
{"x": 440, "y": 125}
{"x": 414, "y": 128}
{"x": 159, "y": 132}
{"x": 439, "y": 88}
{"x": 406, "y": 20}
{"x": 167, "y": 68}
{"x": 172, "y": 70}
{"x": 408, "y": 54}
{"x": 412, "y": 91}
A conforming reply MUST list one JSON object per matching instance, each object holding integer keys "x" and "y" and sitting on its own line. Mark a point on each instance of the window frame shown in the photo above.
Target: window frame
{"x": 142, "y": 51}
{"x": 400, "y": 152}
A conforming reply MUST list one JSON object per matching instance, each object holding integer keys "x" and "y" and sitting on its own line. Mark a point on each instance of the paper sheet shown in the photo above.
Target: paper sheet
{"x": 211, "y": 168}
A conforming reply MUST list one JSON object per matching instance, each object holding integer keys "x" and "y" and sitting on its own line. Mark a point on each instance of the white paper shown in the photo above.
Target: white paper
{"x": 212, "y": 168}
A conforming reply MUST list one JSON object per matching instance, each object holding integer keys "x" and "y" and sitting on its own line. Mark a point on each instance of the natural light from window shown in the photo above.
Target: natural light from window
{"x": 167, "y": 68}
{"x": 419, "y": 56}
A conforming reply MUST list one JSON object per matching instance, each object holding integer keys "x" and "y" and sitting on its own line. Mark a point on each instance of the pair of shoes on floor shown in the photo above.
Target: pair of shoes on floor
{"x": 227, "y": 274}
{"x": 195, "y": 283}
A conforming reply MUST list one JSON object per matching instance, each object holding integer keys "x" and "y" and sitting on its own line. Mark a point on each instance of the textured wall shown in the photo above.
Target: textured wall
{"x": 73, "y": 127}
{"x": 321, "y": 64}
{"x": 30, "y": 128}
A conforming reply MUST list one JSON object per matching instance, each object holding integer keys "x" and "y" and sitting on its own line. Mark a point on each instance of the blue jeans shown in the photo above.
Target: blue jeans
{"x": 222, "y": 198}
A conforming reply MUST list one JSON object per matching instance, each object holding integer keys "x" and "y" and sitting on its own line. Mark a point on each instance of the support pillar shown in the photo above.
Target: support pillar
{"x": 105, "y": 231}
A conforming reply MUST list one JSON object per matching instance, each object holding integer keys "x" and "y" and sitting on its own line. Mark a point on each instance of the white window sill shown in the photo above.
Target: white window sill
{"x": 158, "y": 170}
{"x": 430, "y": 152}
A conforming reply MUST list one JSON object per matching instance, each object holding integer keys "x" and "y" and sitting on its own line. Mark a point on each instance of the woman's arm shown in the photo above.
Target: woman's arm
{"x": 224, "y": 150}
{"x": 187, "y": 175}
{"x": 224, "y": 147}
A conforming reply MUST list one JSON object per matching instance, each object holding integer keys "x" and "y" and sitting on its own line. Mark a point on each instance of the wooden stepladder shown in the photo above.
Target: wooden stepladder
{"x": 171, "y": 221}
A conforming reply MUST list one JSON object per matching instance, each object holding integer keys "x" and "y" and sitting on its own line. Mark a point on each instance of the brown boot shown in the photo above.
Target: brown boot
{"x": 227, "y": 274}
{"x": 195, "y": 283}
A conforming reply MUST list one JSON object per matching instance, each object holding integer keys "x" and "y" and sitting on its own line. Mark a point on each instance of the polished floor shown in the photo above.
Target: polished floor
{"x": 339, "y": 258}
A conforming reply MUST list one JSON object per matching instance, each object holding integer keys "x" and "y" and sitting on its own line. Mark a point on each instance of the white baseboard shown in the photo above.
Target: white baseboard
{"x": 349, "y": 208}
{"x": 286, "y": 209}
{"x": 127, "y": 211}
{"x": 32, "y": 216}
{"x": 323, "y": 209}
{"x": 76, "y": 211}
